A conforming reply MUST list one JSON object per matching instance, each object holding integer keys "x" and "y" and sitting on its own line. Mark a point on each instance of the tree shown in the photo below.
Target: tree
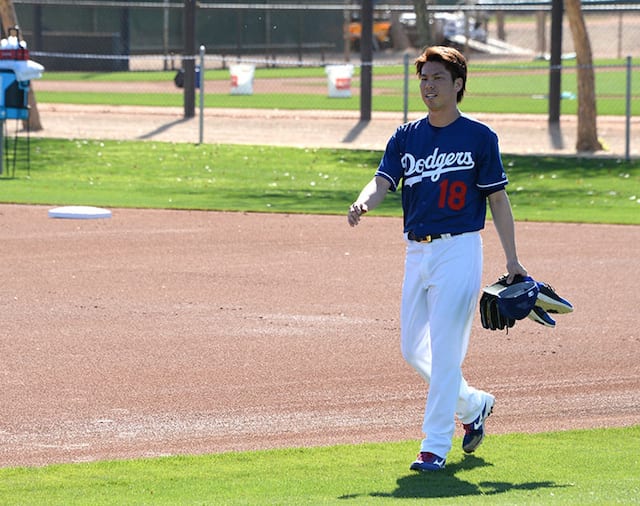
{"x": 9, "y": 20}
{"x": 587, "y": 137}
{"x": 422, "y": 23}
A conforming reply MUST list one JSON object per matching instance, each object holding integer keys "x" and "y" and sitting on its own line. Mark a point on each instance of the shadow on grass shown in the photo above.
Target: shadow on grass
{"x": 355, "y": 132}
{"x": 446, "y": 484}
{"x": 163, "y": 128}
{"x": 555, "y": 136}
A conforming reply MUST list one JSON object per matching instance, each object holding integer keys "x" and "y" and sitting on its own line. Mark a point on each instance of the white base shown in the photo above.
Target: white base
{"x": 79, "y": 212}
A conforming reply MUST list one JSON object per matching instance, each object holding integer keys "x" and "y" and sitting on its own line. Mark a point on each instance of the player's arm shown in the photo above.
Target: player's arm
{"x": 504, "y": 223}
{"x": 371, "y": 195}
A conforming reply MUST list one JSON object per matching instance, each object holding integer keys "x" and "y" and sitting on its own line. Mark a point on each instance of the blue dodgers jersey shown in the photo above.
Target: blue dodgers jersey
{"x": 445, "y": 173}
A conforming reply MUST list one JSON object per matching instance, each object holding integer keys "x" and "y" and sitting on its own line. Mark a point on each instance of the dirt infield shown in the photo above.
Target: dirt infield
{"x": 162, "y": 332}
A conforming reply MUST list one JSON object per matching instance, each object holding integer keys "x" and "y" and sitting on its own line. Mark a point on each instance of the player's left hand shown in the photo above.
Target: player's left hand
{"x": 515, "y": 268}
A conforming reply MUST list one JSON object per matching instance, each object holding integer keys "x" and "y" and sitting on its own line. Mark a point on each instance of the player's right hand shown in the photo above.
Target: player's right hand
{"x": 355, "y": 212}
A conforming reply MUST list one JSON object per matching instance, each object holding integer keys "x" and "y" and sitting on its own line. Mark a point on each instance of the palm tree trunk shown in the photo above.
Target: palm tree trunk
{"x": 587, "y": 135}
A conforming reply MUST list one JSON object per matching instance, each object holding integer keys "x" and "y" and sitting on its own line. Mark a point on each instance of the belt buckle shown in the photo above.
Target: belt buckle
{"x": 426, "y": 238}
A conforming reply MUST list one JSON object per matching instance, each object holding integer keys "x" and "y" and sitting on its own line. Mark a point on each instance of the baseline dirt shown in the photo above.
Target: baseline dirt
{"x": 162, "y": 332}
{"x": 518, "y": 133}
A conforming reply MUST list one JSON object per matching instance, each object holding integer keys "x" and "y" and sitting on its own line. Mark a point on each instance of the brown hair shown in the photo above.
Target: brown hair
{"x": 451, "y": 58}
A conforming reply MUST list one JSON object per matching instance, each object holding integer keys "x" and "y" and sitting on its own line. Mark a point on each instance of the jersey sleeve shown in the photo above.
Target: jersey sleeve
{"x": 390, "y": 167}
{"x": 491, "y": 174}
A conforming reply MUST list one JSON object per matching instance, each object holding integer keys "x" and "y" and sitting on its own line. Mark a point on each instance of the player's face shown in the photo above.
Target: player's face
{"x": 437, "y": 87}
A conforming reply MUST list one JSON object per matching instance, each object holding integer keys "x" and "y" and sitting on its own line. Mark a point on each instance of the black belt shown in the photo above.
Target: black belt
{"x": 428, "y": 238}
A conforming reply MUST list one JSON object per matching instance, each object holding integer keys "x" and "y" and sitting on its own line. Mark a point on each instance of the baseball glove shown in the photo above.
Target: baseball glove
{"x": 490, "y": 314}
{"x": 502, "y": 304}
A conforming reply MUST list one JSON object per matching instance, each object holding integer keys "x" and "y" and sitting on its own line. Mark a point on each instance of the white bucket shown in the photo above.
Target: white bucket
{"x": 242, "y": 79}
{"x": 339, "y": 80}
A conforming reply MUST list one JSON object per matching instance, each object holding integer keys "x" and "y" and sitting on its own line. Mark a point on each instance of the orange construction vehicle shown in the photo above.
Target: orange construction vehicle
{"x": 381, "y": 31}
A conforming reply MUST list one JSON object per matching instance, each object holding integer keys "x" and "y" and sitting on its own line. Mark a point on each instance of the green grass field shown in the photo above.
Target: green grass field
{"x": 575, "y": 467}
{"x": 294, "y": 180}
{"x": 600, "y": 466}
{"x": 497, "y": 88}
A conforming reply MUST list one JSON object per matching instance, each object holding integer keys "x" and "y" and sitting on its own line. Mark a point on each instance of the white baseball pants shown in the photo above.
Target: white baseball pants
{"x": 439, "y": 297}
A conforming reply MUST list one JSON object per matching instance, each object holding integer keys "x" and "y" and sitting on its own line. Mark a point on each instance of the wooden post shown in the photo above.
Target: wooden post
{"x": 502, "y": 34}
{"x": 541, "y": 32}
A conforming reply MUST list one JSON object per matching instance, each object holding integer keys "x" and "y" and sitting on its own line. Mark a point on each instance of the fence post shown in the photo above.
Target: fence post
{"x": 201, "y": 93}
{"x": 555, "y": 71}
{"x": 188, "y": 58}
{"x": 366, "y": 59}
{"x": 627, "y": 140}
{"x": 406, "y": 88}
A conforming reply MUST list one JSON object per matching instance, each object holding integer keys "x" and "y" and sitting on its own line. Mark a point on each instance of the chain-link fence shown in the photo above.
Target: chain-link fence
{"x": 291, "y": 49}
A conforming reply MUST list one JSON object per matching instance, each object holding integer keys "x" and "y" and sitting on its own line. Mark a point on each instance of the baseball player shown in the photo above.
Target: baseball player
{"x": 448, "y": 166}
